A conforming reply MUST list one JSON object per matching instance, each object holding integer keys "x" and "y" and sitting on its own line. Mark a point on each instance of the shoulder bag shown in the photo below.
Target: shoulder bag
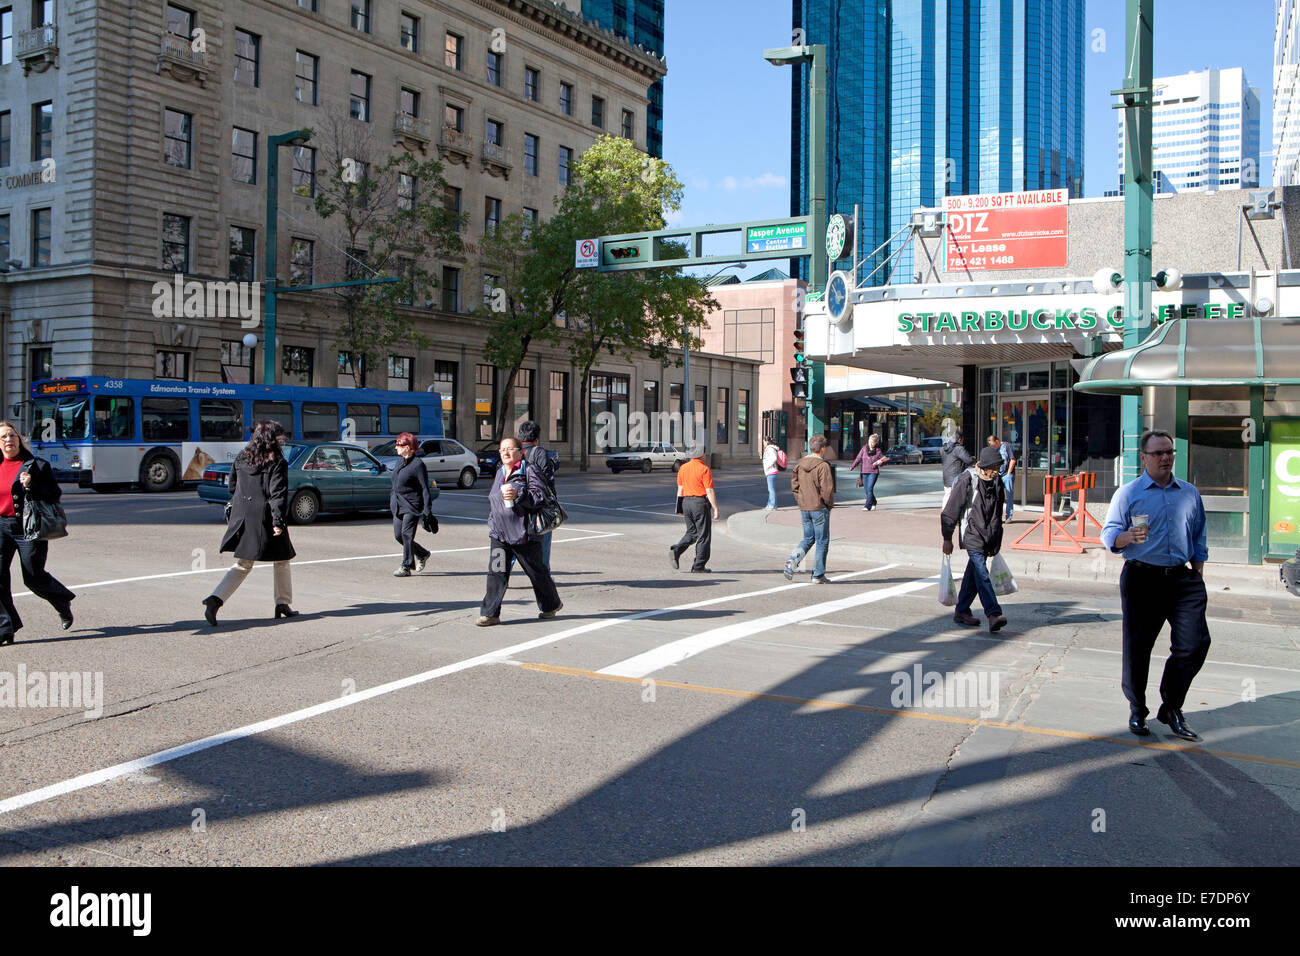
{"x": 43, "y": 520}
{"x": 548, "y": 516}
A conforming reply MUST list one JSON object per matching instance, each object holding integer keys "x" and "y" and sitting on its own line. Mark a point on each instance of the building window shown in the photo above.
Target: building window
{"x": 609, "y": 393}
{"x": 407, "y": 190}
{"x": 40, "y": 363}
{"x": 444, "y": 383}
{"x": 490, "y": 284}
{"x": 722, "y": 414}
{"x": 566, "y": 99}
{"x": 243, "y": 155}
{"x": 532, "y": 81}
{"x": 4, "y": 236}
{"x": 176, "y": 243}
{"x": 359, "y": 105}
{"x": 453, "y": 117}
{"x": 307, "y": 5}
{"x": 237, "y": 363}
{"x": 530, "y": 220}
{"x": 6, "y": 35}
{"x": 41, "y": 226}
{"x": 42, "y": 131}
{"x": 650, "y": 407}
{"x": 559, "y": 411}
{"x": 6, "y": 127}
{"x": 742, "y": 416}
{"x": 452, "y": 46}
{"x": 597, "y": 112}
{"x": 408, "y": 101}
{"x": 491, "y": 214}
{"x": 180, "y": 22}
{"x": 410, "y": 33}
{"x": 628, "y": 125}
{"x": 42, "y": 13}
{"x": 243, "y": 253}
{"x": 451, "y": 202}
{"x": 494, "y": 61}
{"x": 306, "y": 72}
{"x": 304, "y": 171}
{"x": 530, "y": 154}
{"x": 485, "y": 381}
{"x": 248, "y": 49}
{"x": 566, "y": 157}
{"x": 173, "y": 365}
{"x": 521, "y": 405}
{"x": 399, "y": 373}
{"x": 176, "y": 138}
{"x": 296, "y": 366}
{"x": 494, "y": 132}
{"x": 302, "y": 261}
{"x": 450, "y": 289}
{"x": 349, "y": 373}
{"x": 361, "y": 15}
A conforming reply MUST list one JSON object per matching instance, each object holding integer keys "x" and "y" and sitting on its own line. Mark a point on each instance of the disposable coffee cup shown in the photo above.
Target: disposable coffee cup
{"x": 1140, "y": 526}
{"x": 509, "y": 502}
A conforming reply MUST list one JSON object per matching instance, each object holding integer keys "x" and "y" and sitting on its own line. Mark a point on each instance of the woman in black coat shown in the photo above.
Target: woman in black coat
{"x": 259, "y": 498}
{"x": 410, "y": 502}
{"x": 23, "y": 474}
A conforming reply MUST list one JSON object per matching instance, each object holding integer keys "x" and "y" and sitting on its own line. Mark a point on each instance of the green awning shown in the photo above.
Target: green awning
{"x": 1194, "y": 352}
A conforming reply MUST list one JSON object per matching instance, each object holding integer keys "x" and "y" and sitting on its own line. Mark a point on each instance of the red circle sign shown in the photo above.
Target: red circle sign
{"x": 588, "y": 248}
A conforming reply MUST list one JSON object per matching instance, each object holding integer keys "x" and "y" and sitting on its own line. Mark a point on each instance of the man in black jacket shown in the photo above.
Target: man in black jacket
{"x": 975, "y": 505}
{"x": 536, "y": 459}
{"x": 955, "y": 458}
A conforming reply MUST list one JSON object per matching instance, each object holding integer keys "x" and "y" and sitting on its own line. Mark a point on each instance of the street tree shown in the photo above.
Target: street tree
{"x": 388, "y": 220}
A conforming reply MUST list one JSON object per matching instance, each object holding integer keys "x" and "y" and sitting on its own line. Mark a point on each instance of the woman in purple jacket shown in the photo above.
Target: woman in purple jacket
{"x": 516, "y": 490}
{"x": 870, "y": 458}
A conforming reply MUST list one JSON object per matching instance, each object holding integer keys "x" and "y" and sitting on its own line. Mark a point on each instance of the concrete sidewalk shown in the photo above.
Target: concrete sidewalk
{"x": 905, "y": 529}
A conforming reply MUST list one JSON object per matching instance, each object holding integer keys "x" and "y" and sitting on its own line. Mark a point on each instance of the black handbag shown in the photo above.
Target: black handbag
{"x": 545, "y": 519}
{"x": 43, "y": 520}
{"x": 430, "y": 523}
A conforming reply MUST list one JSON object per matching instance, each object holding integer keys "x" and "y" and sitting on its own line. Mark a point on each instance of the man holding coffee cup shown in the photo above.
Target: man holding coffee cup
{"x": 1158, "y": 523}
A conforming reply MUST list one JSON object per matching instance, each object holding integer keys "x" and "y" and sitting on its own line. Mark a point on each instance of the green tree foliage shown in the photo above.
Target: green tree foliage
{"x": 930, "y": 421}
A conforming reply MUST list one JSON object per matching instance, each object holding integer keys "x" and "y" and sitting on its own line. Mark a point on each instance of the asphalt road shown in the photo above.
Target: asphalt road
{"x": 662, "y": 718}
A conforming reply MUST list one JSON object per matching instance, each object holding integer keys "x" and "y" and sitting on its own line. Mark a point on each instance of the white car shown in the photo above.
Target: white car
{"x": 646, "y": 458}
{"x": 447, "y": 460}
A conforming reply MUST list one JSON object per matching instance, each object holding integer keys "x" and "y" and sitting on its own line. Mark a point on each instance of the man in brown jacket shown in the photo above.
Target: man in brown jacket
{"x": 813, "y": 484}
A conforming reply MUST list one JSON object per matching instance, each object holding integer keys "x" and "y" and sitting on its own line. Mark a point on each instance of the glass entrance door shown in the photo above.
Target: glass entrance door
{"x": 1027, "y": 427}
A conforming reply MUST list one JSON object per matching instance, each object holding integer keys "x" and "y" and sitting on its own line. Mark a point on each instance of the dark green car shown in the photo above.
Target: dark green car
{"x": 323, "y": 476}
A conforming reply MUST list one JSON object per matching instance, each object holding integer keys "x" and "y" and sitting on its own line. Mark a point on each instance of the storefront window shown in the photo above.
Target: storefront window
{"x": 1217, "y": 459}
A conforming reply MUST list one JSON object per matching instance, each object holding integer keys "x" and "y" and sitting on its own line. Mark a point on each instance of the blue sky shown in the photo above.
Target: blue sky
{"x": 727, "y": 110}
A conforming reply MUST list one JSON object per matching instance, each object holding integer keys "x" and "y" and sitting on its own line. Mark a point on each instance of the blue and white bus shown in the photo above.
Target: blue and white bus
{"x": 110, "y": 432}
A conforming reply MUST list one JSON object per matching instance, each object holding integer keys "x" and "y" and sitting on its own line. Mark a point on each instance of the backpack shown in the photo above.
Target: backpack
{"x": 781, "y": 459}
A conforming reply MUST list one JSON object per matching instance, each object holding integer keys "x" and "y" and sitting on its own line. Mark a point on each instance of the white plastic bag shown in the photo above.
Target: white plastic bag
{"x": 947, "y": 583}
{"x": 1004, "y": 582}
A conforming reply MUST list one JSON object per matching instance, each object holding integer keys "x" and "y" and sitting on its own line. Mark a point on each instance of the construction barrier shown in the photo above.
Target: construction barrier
{"x": 1056, "y": 534}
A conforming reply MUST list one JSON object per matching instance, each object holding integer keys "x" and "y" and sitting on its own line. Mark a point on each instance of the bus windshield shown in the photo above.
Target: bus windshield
{"x": 62, "y": 419}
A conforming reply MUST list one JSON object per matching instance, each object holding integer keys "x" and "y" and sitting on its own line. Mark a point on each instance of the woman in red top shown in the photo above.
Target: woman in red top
{"x": 23, "y": 474}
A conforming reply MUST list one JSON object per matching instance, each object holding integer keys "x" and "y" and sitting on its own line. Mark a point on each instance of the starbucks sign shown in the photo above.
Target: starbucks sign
{"x": 1045, "y": 320}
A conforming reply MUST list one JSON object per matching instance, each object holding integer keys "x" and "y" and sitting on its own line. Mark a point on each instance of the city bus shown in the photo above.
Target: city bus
{"x": 107, "y": 433}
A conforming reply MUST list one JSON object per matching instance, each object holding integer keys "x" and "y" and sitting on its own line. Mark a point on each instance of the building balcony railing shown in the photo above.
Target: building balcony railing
{"x": 38, "y": 49}
{"x": 406, "y": 126}
{"x": 496, "y": 160}
{"x": 178, "y": 57}
{"x": 455, "y": 145}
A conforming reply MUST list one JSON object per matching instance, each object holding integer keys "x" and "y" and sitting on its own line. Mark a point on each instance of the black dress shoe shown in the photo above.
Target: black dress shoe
{"x": 65, "y": 616}
{"x": 210, "y": 605}
{"x": 283, "y": 610}
{"x": 7, "y": 639}
{"x": 1138, "y": 725}
{"x": 1174, "y": 719}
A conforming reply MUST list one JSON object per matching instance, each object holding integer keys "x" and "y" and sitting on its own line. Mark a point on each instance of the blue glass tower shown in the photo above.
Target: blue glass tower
{"x": 929, "y": 98}
{"x": 641, "y": 22}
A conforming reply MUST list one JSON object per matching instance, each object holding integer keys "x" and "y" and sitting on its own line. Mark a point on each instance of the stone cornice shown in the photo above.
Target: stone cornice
{"x": 573, "y": 27}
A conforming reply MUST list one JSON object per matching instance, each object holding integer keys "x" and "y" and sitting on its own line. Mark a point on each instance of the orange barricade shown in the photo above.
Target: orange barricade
{"x": 1056, "y": 532}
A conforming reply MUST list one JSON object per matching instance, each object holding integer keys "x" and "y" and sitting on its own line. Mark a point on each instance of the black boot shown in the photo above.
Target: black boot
{"x": 211, "y": 603}
{"x": 283, "y": 610}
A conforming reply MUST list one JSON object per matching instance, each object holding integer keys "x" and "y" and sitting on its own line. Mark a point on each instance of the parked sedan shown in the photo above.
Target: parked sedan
{"x": 489, "y": 459}
{"x": 647, "y": 457}
{"x": 905, "y": 454}
{"x": 446, "y": 459}
{"x": 323, "y": 476}
{"x": 931, "y": 451}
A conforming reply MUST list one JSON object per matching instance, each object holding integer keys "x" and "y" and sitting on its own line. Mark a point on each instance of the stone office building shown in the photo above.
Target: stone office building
{"x": 133, "y": 139}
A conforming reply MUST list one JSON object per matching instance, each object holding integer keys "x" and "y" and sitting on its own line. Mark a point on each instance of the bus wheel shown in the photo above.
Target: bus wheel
{"x": 158, "y": 473}
{"x": 304, "y": 507}
{"x": 466, "y": 478}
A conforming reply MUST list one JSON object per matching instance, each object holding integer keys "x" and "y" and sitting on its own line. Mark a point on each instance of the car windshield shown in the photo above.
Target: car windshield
{"x": 292, "y": 450}
{"x": 64, "y": 419}
{"x": 387, "y": 449}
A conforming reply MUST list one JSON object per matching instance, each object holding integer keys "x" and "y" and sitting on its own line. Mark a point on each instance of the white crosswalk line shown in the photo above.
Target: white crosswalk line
{"x": 677, "y": 651}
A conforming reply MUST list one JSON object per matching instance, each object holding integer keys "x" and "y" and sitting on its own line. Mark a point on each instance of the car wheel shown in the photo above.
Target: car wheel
{"x": 158, "y": 473}
{"x": 676, "y": 465}
{"x": 467, "y": 478}
{"x": 613, "y": 470}
{"x": 304, "y": 507}
{"x": 646, "y": 465}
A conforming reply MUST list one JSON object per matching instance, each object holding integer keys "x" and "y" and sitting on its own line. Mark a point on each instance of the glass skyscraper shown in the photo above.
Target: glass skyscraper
{"x": 928, "y": 98}
{"x": 642, "y": 22}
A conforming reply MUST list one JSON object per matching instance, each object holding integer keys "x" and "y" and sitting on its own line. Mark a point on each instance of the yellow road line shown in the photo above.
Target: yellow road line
{"x": 910, "y": 714}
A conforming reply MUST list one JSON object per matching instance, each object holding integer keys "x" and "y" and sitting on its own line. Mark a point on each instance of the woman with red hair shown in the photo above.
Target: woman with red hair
{"x": 410, "y": 502}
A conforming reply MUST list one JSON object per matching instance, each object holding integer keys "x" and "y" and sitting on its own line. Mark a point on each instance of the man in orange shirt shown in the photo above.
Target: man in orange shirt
{"x": 695, "y": 498}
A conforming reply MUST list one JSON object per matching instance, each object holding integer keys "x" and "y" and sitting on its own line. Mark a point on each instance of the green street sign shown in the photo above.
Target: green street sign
{"x": 790, "y": 235}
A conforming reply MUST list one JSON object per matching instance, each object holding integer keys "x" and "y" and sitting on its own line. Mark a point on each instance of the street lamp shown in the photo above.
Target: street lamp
{"x": 688, "y": 400}
{"x": 296, "y": 138}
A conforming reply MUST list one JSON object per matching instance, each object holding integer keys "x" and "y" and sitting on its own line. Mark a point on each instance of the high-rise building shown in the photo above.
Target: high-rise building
{"x": 1286, "y": 93}
{"x": 1205, "y": 131}
{"x": 929, "y": 98}
{"x": 641, "y": 22}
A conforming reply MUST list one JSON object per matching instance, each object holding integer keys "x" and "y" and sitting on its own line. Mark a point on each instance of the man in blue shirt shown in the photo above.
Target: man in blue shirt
{"x": 1158, "y": 524}
{"x": 1007, "y": 470}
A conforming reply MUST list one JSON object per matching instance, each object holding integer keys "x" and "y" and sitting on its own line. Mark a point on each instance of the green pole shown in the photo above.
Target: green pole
{"x": 1138, "y": 203}
{"x": 818, "y": 266}
{"x": 273, "y": 144}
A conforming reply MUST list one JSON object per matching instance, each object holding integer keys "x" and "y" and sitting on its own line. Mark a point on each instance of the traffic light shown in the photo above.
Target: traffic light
{"x": 799, "y": 344}
{"x": 625, "y": 252}
{"x": 798, "y": 383}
